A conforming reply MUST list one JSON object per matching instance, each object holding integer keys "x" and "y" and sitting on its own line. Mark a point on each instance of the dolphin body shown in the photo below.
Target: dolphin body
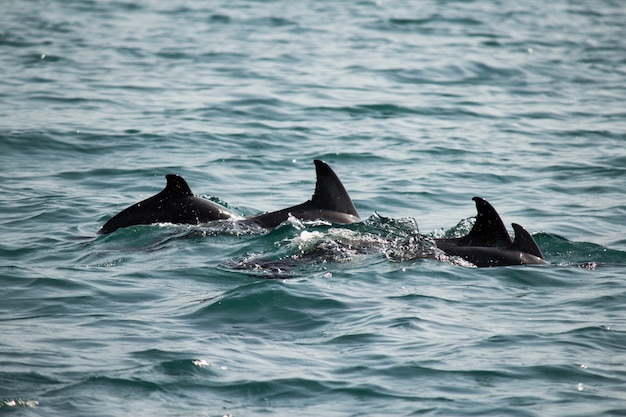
{"x": 489, "y": 244}
{"x": 177, "y": 204}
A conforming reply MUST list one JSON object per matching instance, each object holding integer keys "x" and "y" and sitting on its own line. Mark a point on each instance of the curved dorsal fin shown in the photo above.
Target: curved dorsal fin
{"x": 524, "y": 242}
{"x": 488, "y": 230}
{"x": 176, "y": 187}
{"x": 330, "y": 193}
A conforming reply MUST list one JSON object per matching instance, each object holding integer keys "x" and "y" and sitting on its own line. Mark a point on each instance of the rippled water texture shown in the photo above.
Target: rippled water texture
{"x": 417, "y": 106}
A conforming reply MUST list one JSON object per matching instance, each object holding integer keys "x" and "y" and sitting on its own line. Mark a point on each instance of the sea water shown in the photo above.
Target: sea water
{"x": 417, "y": 105}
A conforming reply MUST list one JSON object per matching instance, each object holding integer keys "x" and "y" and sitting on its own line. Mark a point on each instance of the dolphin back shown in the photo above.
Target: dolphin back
{"x": 174, "y": 204}
{"x": 329, "y": 202}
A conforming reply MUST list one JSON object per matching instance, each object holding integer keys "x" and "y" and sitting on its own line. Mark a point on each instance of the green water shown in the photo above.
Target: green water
{"x": 417, "y": 106}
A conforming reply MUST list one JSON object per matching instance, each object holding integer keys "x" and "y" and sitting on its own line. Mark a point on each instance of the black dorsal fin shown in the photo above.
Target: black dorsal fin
{"x": 176, "y": 187}
{"x": 330, "y": 193}
{"x": 524, "y": 242}
{"x": 488, "y": 230}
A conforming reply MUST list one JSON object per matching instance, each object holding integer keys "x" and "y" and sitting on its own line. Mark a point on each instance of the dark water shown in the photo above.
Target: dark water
{"x": 418, "y": 106}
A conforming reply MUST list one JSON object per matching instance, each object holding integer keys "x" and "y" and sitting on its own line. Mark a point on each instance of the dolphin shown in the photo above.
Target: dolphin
{"x": 175, "y": 204}
{"x": 330, "y": 202}
{"x": 489, "y": 244}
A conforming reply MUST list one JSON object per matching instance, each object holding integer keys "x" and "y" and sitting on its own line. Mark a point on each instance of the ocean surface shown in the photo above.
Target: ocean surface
{"x": 417, "y": 105}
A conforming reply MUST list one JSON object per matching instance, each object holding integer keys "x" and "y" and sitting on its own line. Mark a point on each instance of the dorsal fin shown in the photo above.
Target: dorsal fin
{"x": 524, "y": 242}
{"x": 488, "y": 230}
{"x": 330, "y": 193}
{"x": 176, "y": 187}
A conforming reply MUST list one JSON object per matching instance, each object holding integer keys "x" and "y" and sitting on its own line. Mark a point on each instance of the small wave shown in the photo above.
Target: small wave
{"x": 18, "y": 402}
{"x": 561, "y": 251}
{"x": 315, "y": 246}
